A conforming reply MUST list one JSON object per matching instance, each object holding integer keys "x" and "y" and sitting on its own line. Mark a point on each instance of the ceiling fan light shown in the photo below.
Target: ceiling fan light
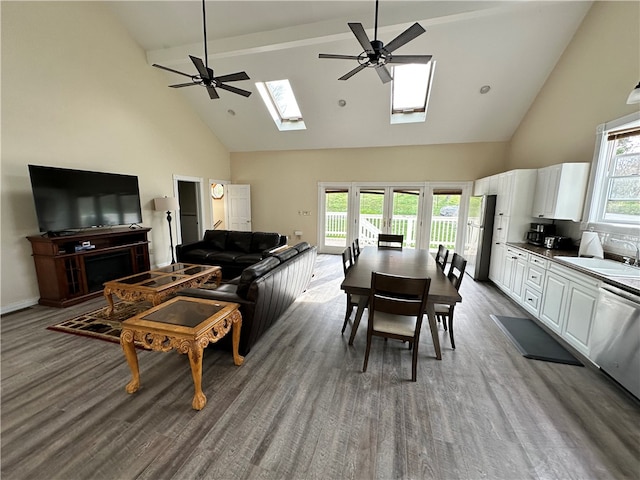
{"x": 634, "y": 96}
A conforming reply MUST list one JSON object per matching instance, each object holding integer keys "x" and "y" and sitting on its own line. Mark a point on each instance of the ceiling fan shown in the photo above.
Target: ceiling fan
{"x": 205, "y": 75}
{"x": 376, "y": 54}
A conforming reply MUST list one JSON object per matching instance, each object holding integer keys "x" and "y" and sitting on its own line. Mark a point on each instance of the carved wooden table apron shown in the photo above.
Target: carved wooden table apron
{"x": 187, "y": 325}
{"x": 156, "y": 285}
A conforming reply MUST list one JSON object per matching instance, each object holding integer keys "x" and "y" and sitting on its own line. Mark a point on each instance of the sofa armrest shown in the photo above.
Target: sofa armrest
{"x": 185, "y": 247}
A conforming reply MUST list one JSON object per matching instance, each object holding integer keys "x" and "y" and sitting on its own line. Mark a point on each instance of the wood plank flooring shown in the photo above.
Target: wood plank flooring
{"x": 300, "y": 407}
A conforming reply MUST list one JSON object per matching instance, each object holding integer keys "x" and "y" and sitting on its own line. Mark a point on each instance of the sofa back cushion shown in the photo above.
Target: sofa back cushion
{"x": 286, "y": 254}
{"x": 261, "y": 241}
{"x": 302, "y": 246}
{"x": 216, "y": 239}
{"x": 239, "y": 241}
{"x": 256, "y": 270}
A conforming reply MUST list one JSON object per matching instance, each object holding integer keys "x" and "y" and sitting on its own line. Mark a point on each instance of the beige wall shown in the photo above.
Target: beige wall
{"x": 285, "y": 182}
{"x": 588, "y": 86}
{"x": 77, "y": 92}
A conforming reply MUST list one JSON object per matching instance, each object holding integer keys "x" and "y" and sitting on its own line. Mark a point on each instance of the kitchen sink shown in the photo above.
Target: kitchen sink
{"x": 608, "y": 268}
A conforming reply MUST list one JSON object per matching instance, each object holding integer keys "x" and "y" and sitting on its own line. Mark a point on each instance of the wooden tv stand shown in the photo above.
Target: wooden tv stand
{"x": 68, "y": 274}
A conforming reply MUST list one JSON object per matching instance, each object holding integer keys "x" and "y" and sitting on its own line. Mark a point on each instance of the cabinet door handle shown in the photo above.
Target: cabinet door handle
{"x": 533, "y": 277}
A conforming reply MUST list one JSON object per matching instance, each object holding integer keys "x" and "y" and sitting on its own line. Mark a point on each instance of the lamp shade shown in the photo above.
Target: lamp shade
{"x": 634, "y": 96}
{"x": 166, "y": 204}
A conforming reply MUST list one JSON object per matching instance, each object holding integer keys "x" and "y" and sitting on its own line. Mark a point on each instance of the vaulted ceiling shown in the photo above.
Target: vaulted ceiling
{"x": 512, "y": 46}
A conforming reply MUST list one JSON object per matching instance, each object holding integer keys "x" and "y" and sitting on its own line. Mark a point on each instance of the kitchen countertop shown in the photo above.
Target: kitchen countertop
{"x": 629, "y": 284}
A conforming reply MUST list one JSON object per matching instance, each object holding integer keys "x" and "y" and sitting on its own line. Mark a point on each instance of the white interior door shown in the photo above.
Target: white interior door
{"x": 238, "y": 207}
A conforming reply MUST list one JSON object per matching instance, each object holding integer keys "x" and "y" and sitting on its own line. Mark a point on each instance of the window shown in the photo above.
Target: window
{"x": 616, "y": 184}
{"x": 281, "y": 103}
{"x": 622, "y": 198}
{"x": 410, "y": 92}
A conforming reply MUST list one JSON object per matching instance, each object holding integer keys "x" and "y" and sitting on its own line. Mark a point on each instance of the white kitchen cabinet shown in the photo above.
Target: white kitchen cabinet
{"x": 560, "y": 191}
{"x": 481, "y": 186}
{"x": 582, "y": 300}
{"x": 496, "y": 267}
{"x": 515, "y": 266}
{"x": 533, "y": 284}
{"x": 554, "y": 297}
{"x": 569, "y": 305}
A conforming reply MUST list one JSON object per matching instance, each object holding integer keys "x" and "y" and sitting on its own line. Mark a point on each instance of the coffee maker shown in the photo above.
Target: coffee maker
{"x": 538, "y": 233}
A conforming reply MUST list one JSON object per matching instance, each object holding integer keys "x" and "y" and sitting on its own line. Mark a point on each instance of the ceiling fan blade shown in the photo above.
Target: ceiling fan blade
{"x": 409, "y": 34}
{"x": 180, "y": 85}
{"x": 171, "y": 70}
{"x": 239, "y": 91}
{"x": 340, "y": 57}
{"x": 202, "y": 70}
{"x": 232, "y": 77}
{"x": 409, "y": 59}
{"x": 383, "y": 73}
{"x": 212, "y": 92}
{"x": 350, "y": 74}
{"x": 361, "y": 35}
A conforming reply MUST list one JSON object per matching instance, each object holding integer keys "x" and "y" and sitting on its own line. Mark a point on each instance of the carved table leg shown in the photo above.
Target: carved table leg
{"x": 237, "y": 325}
{"x": 129, "y": 348}
{"x": 195, "y": 360}
{"x": 109, "y": 297}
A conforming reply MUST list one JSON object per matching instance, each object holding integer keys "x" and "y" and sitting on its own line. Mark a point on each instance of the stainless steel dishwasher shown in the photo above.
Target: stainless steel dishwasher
{"x": 615, "y": 346}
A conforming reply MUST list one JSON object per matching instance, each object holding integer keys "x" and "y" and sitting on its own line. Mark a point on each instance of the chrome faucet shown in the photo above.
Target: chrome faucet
{"x": 632, "y": 244}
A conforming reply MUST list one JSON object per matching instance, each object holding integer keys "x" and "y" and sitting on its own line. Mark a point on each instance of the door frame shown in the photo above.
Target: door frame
{"x": 199, "y": 204}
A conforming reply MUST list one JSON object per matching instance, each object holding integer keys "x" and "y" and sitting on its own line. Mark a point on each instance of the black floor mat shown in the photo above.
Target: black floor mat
{"x": 533, "y": 342}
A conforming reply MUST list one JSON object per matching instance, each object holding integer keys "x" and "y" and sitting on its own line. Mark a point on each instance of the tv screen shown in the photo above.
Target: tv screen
{"x": 69, "y": 199}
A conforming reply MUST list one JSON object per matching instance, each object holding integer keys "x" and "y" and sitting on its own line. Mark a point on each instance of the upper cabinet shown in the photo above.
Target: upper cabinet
{"x": 560, "y": 191}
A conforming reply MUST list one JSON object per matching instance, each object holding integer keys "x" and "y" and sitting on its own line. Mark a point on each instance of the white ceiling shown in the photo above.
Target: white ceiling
{"x": 510, "y": 45}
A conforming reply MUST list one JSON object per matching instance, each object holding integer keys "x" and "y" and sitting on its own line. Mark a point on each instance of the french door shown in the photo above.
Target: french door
{"x": 395, "y": 210}
{"x": 347, "y": 211}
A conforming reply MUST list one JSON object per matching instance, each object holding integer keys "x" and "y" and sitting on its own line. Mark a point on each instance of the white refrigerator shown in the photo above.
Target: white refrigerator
{"x": 477, "y": 245}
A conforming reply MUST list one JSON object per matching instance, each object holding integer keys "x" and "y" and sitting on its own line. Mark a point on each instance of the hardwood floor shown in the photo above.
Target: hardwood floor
{"x": 300, "y": 407}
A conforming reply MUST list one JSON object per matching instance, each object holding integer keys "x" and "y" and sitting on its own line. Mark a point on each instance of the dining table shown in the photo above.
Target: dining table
{"x": 406, "y": 262}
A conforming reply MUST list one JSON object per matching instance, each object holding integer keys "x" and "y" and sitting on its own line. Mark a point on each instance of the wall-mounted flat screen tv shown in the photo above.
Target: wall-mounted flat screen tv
{"x": 68, "y": 199}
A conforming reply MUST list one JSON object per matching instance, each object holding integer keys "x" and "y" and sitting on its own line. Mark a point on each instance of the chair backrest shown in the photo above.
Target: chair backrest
{"x": 456, "y": 270}
{"x": 347, "y": 260}
{"x": 355, "y": 246}
{"x": 441, "y": 256}
{"x": 386, "y": 240}
{"x": 398, "y": 295}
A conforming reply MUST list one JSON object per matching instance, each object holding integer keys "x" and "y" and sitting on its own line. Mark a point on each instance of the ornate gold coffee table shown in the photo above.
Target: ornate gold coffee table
{"x": 187, "y": 325}
{"x": 156, "y": 285}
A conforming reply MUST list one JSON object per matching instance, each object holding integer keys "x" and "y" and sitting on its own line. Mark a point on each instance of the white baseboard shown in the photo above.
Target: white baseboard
{"x": 4, "y": 309}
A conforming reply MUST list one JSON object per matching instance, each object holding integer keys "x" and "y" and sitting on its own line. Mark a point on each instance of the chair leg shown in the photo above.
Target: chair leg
{"x": 453, "y": 344}
{"x": 347, "y": 315}
{"x": 414, "y": 363}
{"x": 366, "y": 352}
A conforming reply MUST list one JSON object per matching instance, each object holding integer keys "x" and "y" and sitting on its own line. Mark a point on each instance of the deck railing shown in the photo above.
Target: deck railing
{"x": 443, "y": 230}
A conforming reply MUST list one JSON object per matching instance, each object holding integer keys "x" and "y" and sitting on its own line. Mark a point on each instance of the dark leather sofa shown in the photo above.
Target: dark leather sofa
{"x": 232, "y": 250}
{"x": 264, "y": 291}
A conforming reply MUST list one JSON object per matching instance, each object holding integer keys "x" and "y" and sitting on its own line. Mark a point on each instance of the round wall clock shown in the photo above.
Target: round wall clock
{"x": 217, "y": 190}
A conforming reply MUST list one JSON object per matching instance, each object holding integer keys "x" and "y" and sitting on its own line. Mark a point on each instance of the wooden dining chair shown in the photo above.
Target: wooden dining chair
{"x": 355, "y": 247}
{"x": 352, "y": 300}
{"x": 444, "y": 313}
{"x": 396, "y": 307}
{"x": 442, "y": 256}
{"x": 386, "y": 240}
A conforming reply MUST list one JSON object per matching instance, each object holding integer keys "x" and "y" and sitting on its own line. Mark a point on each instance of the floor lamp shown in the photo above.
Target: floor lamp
{"x": 167, "y": 204}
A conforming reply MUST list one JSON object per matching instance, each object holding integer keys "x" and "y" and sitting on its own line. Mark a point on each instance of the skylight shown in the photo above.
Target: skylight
{"x": 281, "y": 103}
{"x": 410, "y": 90}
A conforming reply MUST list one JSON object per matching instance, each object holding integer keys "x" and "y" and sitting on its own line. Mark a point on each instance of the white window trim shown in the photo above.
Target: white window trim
{"x": 596, "y": 179}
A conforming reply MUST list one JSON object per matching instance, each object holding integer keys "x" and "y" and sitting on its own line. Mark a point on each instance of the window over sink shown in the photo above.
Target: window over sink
{"x": 615, "y": 183}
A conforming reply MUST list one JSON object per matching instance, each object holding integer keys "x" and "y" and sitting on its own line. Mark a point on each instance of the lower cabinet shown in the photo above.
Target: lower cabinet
{"x": 580, "y": 312}
{"x": 561, "y": 298}
{"x": 554, "y": 297}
